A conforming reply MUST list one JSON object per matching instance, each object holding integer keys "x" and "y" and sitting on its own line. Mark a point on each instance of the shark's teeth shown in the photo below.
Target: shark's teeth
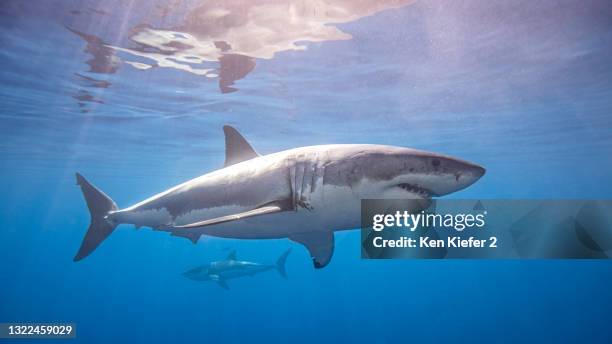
{"x": 415, "y": 190}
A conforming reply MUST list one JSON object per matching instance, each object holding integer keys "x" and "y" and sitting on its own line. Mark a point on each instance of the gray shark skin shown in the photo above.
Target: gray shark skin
{"x": 304, "y": 194}
{"x": 231, "y": 267}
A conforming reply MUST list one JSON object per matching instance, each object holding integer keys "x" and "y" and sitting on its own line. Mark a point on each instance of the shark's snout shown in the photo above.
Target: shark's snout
{"x": 396, "y": 172}
{"x": 464, "y": 173}
{"x": 195, "y": 274}
{"x": 433, "y": 174}
{"x": 480, "y": 171}
{"x": 472, "y": 172}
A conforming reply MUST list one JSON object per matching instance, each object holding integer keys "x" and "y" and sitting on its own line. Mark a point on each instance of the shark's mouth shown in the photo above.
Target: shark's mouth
{"x": 421, "y": 192}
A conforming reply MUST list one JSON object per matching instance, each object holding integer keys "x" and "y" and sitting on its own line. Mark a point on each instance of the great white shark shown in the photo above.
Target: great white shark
{"x": 230, "y": 268}
{"x": 304, "y": 194}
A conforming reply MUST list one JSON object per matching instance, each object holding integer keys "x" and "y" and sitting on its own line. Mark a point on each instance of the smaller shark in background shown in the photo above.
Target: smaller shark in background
{"x": 221, "y": 271}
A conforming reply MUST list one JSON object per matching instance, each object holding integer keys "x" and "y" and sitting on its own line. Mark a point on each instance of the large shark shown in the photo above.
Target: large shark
{"x": 231, "y": 267}
{"x": 304, "y": 194}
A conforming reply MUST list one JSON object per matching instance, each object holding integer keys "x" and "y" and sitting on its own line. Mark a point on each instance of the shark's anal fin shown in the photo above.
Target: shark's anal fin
{"x": 237, "y": 149}
{"x": 320, "y": 245}
{"x": 270, "y": 208}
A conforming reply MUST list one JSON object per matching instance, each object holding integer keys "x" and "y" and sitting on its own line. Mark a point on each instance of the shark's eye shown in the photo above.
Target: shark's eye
{"x": 435, "y": 162}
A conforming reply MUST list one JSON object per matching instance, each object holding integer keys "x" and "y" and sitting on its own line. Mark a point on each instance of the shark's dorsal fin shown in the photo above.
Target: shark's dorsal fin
{"x": 320, "y": 245}
{"x": 269, "y": 208}
{"x": 231, "y": 255}
{"x": 237, "y": 149}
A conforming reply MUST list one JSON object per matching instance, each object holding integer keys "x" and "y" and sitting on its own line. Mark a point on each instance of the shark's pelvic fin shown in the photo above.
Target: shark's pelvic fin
{"x": 231, "y": 255}
{"x": 192, "y": 236}
{"x": 320, "y": 245}
{"x": 266, "y": 209}
{"x": 237, "y": 149}
{"x": 220, "y": 281}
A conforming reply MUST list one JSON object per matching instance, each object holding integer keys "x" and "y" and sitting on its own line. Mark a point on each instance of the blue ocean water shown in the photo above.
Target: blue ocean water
{"x": 133, "y": 95}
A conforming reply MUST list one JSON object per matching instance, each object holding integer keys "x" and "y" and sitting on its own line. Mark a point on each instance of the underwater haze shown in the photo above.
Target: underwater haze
{"x": 134, "y": 94}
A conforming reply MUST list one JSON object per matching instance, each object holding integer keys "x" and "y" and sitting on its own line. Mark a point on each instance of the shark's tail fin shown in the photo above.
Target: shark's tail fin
{"x": 100, "y": 228}
{"x": 280, "y": 263}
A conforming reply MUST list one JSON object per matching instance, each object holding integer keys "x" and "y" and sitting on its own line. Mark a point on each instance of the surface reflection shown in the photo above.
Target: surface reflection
{"x": 103, "y": 61}
{"x": 103, "y": 58}
{"x": 223, "y": 39}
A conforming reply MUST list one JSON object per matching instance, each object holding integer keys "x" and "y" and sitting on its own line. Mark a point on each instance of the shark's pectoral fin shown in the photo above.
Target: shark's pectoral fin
{"x": 320, "y": 245}
{"x": 191, "y": 235}
{"x": 270, "y": 208}
{"x": 237, "y": 149}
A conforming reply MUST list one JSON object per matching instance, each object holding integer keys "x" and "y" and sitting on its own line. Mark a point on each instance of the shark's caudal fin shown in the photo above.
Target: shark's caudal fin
{"x": 280, "y": 263}
{"x": 99, "y": 205}
{"x": 237, "y": 149}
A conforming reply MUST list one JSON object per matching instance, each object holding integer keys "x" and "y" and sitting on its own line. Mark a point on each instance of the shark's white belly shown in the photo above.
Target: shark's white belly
{"x": 248, "y": 271}
{"x": 332, "y": 208}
